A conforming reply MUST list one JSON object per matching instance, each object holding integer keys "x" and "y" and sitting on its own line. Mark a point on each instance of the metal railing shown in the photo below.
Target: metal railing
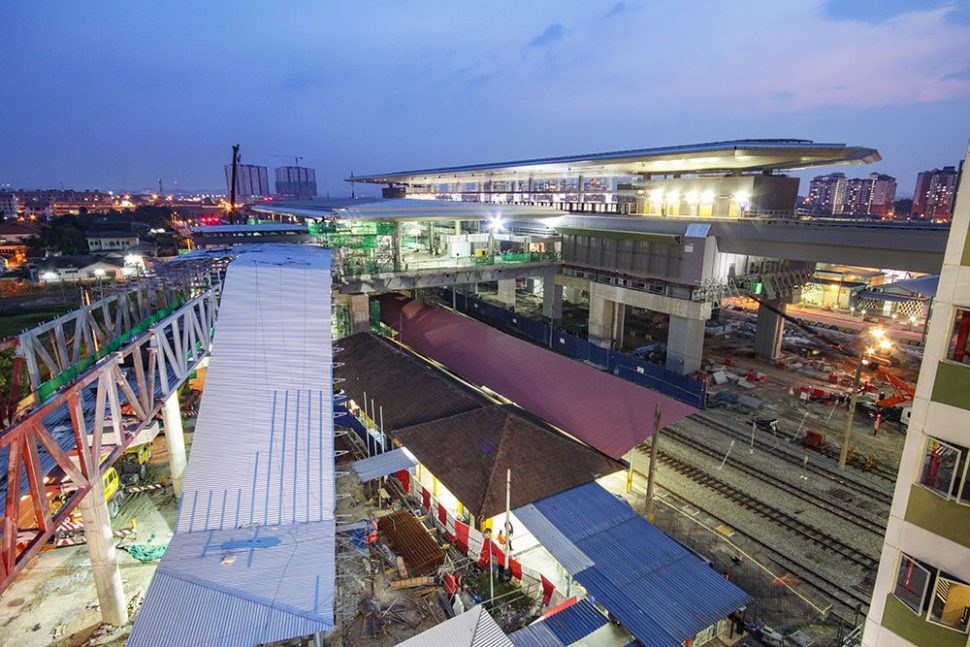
{"x": 351, "y": 268}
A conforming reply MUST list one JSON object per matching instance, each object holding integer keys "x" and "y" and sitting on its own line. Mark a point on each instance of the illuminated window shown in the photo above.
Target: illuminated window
{"x": 950, "y": 605}
{"x": 959, "y": 346}
{"x": 944, "y": 470}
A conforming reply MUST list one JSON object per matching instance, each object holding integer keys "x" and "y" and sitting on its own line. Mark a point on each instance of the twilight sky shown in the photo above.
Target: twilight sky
{"x": 112, "y": 94}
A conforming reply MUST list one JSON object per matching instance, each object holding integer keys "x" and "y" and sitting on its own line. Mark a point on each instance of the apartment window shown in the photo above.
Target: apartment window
{"x": 912, "y": 582}
{"x": 944, "y": 470}
{"x": 959, "y": 348}
{"x": 933, "y": 594}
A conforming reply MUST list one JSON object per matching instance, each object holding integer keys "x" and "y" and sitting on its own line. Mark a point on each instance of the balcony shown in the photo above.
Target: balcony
{"x": 932, "y": 512}
{"x": 952, "y": 385}
{"x": 899, "y": 619}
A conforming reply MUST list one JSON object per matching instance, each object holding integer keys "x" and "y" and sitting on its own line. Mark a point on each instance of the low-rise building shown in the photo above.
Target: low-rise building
{"x": 74, "y": 269}
{"x": 111, "y": 241}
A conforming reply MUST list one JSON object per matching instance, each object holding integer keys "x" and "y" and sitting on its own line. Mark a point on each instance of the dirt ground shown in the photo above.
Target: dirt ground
{"x": 54, "y": 602}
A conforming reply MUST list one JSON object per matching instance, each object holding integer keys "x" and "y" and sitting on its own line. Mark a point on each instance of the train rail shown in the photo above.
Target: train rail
{"x": 873, "y": 491}
{"x": 783, "y": 519}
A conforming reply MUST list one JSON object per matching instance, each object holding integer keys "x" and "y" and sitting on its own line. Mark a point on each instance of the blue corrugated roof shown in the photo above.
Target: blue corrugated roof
{"x": 660, "y": 591}
{"x": 575, "y": 622}
{"x": 538, "y": 634}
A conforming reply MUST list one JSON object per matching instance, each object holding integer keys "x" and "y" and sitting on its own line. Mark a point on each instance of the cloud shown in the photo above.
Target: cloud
{"x": 962, "y": 75}
{"x": 550, "y": 35}
{"x": 618, "y": 9}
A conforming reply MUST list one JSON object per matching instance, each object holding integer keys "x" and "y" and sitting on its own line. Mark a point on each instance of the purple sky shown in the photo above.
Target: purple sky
{"x": 114, "y": 94}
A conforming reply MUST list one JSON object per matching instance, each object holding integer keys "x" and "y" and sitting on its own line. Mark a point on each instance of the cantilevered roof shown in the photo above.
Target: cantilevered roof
{"x": 661, "y": 592}
{"x": 404, "y": 209}
{"x": 600, "y": 409}
{"x": 726, "y": 156}
{"x": 252, "y": 558}
{"x": 474, "y": 628}
{"x": 471, "y": 452}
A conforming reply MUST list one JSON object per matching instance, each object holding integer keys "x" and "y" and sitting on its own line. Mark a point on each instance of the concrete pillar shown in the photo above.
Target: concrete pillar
{"x": 551, "y": 298}
{"x": 600, "y": 329}
{"x": 175, "y": 440}
{"x": 685, "y": 343}
{"x": 104, "y": 556}
{"x": 359, "y": 313}
{"x": 769, "y": 334}
{"x": 506, "y": 291}
{"x": 458, "y": 227}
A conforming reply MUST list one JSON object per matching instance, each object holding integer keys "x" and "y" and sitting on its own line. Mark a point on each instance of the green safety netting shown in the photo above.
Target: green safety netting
{"x": 71, "y": 373}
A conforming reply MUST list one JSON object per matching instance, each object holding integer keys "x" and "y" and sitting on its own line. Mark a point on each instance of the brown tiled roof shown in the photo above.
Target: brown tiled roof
{"x": 410, "y": 390}
{"x": 471, "y": 451}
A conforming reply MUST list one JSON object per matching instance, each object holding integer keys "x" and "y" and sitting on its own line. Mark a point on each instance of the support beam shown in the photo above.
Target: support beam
{"x": 104, "y": 556}
{"x": 551, "y": 298}
{"x": 506, "y": 291}
{"x": 175, "y": 440}
{"x": 770, "y": 331}
{"x": 685, "y": 344}
{"x": 359, "y": 313}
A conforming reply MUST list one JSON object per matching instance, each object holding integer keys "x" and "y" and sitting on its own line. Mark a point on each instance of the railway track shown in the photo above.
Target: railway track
{"x": 873, "y": 492}
{"x": 833, "y": 591}
{"x": 780, "y": 517}
{"x": 850, "y": 516}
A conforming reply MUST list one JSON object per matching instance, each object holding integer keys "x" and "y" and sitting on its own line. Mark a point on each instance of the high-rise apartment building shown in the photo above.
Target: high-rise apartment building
{"x": 826, "y": 194}
{"x": 834, "y": 194}
{"x": 922, "y": 590}
{"x": 251, "y": 181}
{"x": 296, "y": 181}
{"x": 935, "y": 192}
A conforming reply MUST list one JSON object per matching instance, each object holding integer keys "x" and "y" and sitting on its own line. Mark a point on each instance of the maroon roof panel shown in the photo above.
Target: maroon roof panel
{"x": 598, "y": 408}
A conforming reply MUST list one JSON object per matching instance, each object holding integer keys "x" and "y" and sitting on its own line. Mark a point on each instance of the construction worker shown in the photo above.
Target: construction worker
{"x": 501, "y": 538}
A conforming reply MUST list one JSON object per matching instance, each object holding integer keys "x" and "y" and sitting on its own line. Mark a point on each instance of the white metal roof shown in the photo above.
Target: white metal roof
{"x": 406, "y": 209}
{"x": 474, "y": 628}
{"x": 368, "y": 469}
{"x": 252, "y": 559}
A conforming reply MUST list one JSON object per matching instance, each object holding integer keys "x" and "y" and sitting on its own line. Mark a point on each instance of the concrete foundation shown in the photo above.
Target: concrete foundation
{"x": 359, "y": 313}
{"x": 506, "y": 291}
{"x": 175, "y": 441}
{"x": 551, "y": 298}
{"x": 685, "y": 344}
{"x": 769, "y": 334}
{"x": 104, "y": 556}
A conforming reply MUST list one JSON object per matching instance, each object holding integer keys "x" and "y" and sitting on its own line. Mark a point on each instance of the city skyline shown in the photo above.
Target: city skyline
{"x": 358, "y": 91}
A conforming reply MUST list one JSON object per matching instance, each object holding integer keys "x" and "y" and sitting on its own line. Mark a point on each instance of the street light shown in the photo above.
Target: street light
{"x": 99, "y": 272}
{"x": 487, "y": 536}
{"x": 879, "y": 336}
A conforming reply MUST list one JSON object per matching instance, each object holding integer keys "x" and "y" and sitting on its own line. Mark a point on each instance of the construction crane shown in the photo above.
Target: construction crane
{"x": 232, "y": 185}
{"x": 296, "y": 158}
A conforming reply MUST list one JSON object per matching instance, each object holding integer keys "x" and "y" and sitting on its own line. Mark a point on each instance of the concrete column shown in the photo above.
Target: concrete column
{"x": 601, "y": 313}
{"x": 685, "y": 343}
{"x": 104, "y": 556}
{"x": 359, "y": 313}
{"x": 458, "y": 227}
{"x": 551, "y": 298}
{"x": 769, "y": 334}
{"x": 175, "y": 440}
{"x": 506, "y": 291}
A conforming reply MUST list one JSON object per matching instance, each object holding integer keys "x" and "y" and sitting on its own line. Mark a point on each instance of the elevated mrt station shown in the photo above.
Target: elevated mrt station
{"x": 669, "y": 231}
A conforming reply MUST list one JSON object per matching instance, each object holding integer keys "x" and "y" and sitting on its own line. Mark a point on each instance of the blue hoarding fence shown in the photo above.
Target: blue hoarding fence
{"x": 627, "y": 367}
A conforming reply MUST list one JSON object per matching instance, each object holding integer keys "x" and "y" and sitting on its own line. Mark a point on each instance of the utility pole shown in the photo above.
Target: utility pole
{"x": 232, "y": 185}
{"x": 508, "y": 512}
{"x": 652, "y": 472}
{"x": 847, "y": 434}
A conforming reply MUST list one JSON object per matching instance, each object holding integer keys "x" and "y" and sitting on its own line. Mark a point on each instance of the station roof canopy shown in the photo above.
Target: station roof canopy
{"x": 754, "y": 155}
{"x": 403, "y": 209}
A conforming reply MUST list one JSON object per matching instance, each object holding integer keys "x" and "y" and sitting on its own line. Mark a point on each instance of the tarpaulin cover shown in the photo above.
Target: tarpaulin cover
{"x": 602, "y": 410}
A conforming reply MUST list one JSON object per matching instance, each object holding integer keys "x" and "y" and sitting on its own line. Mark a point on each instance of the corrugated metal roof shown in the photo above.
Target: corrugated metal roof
{"x": 660, "y": 591}
{"x": 600, "y": 409}
{"x": 252, "y": 559}
{"x": 575, "y": 622}
{"x": 474, "y": 628}
{"x": 564, "y": 550}
{"x": 538, "y": 634}
{"x": 374, "y": 467}
{"x": 405, "y": 209}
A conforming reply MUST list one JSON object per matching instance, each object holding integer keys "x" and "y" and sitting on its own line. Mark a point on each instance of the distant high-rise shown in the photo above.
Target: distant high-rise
{"x": 296, "y": 181}
{"x": 826, "y": 194}
{"x": 935, "y": 190}
{"x": 251, "y": 181}
{"x": 880, "y": 195}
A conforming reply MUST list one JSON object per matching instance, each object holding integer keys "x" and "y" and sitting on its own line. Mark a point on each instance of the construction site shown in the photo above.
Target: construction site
{"x": 412, "y": 421}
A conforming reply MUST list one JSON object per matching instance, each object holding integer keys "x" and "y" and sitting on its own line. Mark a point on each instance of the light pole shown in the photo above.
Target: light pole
{"x": 100, "y": 274}
{"x": 487, "y": 535}
{"x": 880, "y": 336}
